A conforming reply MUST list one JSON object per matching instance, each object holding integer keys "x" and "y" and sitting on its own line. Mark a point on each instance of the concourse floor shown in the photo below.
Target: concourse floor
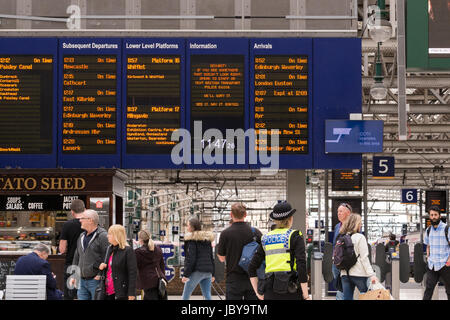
{"x": 408, "y": 291}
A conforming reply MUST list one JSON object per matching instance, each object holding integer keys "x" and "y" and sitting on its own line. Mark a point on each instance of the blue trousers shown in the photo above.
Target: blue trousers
{"x": 350, "y": 282}
{"x": 195, "y": 278}
{"x": 336, "y": 273}
{"x": 87, "y": 289}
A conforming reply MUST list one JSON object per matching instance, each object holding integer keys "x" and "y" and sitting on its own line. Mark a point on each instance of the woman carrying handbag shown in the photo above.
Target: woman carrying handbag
{"x": 150, "y": 262}
{"x": 121, "y": 267}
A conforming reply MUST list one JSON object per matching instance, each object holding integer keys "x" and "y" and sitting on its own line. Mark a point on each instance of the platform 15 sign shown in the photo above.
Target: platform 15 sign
{"x": 409, "y": 196}
{"x": 383, "y": 167}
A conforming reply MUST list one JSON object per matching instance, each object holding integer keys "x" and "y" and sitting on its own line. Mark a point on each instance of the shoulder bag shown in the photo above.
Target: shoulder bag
{"x": 100, "y": 291}
{"x": 162, "y": 284}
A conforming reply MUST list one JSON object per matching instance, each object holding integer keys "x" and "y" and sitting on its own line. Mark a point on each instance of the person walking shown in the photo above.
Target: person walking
{"x": 361, "y": 271}
{"x": 438, "y": 253}
{"x": 35, "y": 263}
{"x": 283, "y": 250}
{"x": 344, "y": 211}
{"x": 231, "y": 242}
{"x": 121, "y": 267}
{"x": 70, "y": 233}
{"x": 89, "y": 254}
{"x": 150, "y": 265}
{"x": 199, "y": 260}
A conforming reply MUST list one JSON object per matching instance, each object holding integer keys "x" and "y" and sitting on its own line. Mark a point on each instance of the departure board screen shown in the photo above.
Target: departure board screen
{"x": 89, "y": 104}
{"x": 26, "y": 104}
{"x": 217, "y": 94}
{"x": 153, "y": 103}
{"x": 346, "y": 180}
{"x": 281, "y": 101}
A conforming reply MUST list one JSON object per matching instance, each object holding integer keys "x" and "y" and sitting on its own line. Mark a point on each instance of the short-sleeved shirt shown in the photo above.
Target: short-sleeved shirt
{"x": 231, "y": 242}
{"x": 439, "y": 247}
{"x": 70, "y": 232}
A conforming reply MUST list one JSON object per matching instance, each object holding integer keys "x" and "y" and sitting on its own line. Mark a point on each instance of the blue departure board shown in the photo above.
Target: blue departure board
{"x": 89, "y": 105}
{"x": 153, "y": 101}
{"x": 28, "y": 83}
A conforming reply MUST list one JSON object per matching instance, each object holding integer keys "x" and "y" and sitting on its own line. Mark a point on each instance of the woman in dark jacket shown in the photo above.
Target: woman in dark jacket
{"x": 150, "y": 263}
{"x": 199, "y": 260}
{"x": 121, "y": 269}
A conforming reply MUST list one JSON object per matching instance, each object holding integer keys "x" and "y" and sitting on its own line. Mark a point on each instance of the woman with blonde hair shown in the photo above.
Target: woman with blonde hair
{"x": 150, "y": 264}
{"x": 362, "y": 270}
{"x": 121, "y": 269}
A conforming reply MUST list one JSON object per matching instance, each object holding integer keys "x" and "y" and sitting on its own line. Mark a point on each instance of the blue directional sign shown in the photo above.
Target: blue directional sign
{"x": 168, "y": 253}
{"x": 353, "y": 136}
{"x": 409, "y": 196}
{"x": 383, "y": 167}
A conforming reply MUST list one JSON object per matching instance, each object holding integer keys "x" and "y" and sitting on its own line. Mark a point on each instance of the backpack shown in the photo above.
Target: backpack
{"x": 248, "y": 251}
{"x": 446, "y": 233}
{"x": 344, "y": 256}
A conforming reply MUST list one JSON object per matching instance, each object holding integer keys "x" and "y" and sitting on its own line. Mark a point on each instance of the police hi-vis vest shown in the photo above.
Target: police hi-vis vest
{"x": 276, "y": 245}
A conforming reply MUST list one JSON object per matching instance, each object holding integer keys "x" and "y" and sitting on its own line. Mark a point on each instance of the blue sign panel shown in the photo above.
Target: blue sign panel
{"x": 409, "y": 196}
{"x": 153, "y": 100}
{"x": 217, "y": 101}
{"x": 28, "y": 82}
{"x": 88, "y": 99}
{"x": 168, "y": 253}
{"x": 281, "y": 98}
{"x": 353, "y": 136}
{"x": 337, "y": 93}
{"x": 383, "y": 167}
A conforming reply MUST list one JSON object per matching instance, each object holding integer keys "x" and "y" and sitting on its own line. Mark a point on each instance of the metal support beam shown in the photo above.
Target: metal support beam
{"x": 401, "y": 71}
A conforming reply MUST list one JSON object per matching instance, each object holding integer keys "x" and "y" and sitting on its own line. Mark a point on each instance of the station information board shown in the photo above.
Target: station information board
{"x": 153, "y": 109}
{"x": 217, "y": 91}
{"x": 89, "y": 104}
{"x": 346, "y": 180}
{"x": 217, "y": 98}
{"x": 115, "y": 102}
{"x": 26, "y": 104}
{"x": 281, "y": 101}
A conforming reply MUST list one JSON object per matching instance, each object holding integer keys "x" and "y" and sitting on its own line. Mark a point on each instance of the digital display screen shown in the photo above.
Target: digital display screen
{"x": 346, "y": 180}
{"x": 436, "y": 198}
{"x": 153, "y": 108}
{"x": 281, "y": 101}
{"x": 438, "y": 28}
{"x": 217, "y": 95}
{"x": 26, "y": 104}
{"x": 89, "y": 103}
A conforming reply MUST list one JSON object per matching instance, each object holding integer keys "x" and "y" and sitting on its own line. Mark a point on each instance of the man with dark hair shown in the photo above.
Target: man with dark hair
{"x": 438, "y": 253}
{"x": 231, "y": 242}
{"x": 71, "y": 230}
{"x": 36, "y": 263}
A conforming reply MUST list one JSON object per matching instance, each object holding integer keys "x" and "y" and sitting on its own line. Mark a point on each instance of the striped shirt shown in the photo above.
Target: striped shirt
{"x": 439, "y": 247}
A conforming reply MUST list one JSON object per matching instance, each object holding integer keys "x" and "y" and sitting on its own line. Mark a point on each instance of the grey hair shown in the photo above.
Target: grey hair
{"x": 42, "y": 248}
{"x": 92, "y": 214}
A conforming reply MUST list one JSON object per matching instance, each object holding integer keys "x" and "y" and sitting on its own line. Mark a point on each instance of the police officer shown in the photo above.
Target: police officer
{"x": 283, "y": 250}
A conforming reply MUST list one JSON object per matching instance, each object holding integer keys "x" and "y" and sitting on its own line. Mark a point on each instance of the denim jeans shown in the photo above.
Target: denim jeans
{"x": 336, "y": 273}
{"x": 350, "y": 282}
{"x": 87, "y": 288}
{"x": 195, "y": 278}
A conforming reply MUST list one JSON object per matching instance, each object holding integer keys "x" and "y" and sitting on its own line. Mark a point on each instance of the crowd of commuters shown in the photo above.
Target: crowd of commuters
{"x": 106, "y": 260}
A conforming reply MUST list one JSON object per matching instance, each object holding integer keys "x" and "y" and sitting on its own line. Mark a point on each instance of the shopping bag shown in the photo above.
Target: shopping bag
{"x": 376, "y": 292}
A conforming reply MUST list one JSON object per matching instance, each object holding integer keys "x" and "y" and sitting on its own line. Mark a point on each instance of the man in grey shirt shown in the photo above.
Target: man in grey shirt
{"x": 90, "y": 253}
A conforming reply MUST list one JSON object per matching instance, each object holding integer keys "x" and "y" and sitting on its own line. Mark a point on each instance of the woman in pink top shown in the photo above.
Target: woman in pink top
{"x": 121, "y": 270}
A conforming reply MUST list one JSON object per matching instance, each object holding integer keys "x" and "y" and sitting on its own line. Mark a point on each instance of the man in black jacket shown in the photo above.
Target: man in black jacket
{"x": 70, "y": 233}
{"x": 231, "y": 242}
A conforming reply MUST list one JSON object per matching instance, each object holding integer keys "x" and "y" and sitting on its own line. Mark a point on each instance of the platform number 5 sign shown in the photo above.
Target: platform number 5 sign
{"x": 383, "y": 167}
{"x": 409, "y": 196}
